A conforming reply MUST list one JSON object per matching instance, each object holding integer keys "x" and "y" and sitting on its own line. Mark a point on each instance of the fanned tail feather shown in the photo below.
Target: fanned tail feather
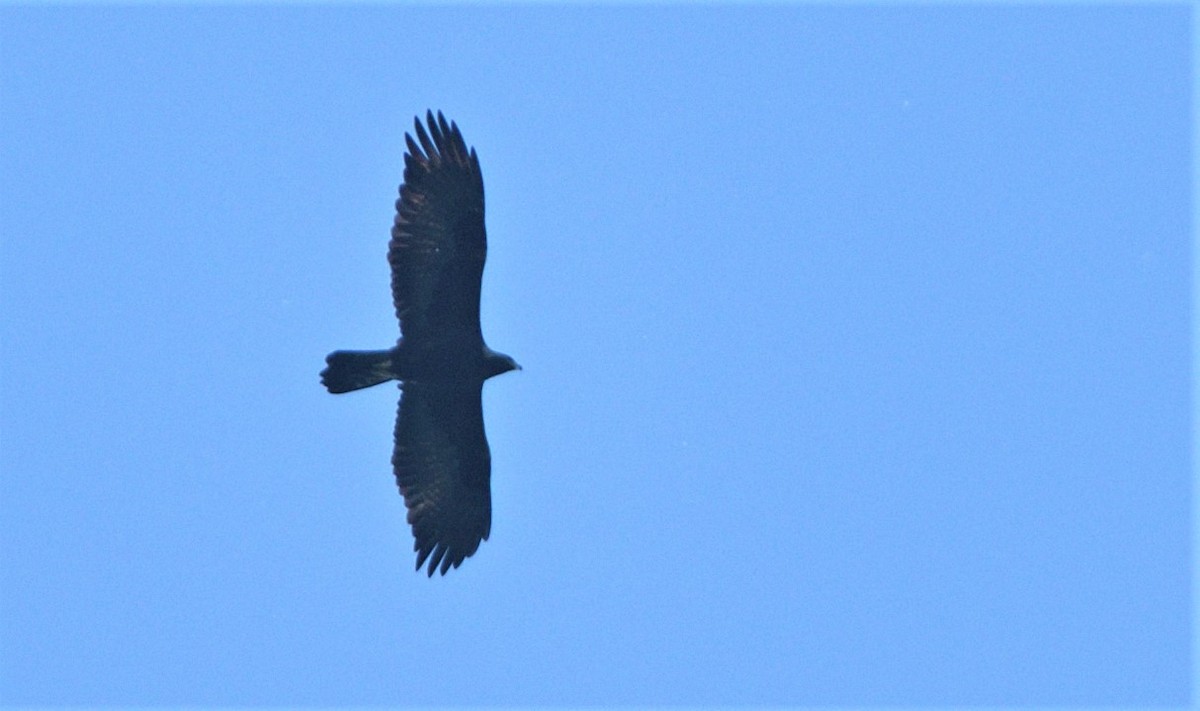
{"x": 354, "y": 370}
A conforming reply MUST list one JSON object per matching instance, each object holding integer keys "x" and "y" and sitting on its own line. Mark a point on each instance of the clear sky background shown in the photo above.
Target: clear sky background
{"x": 855, "y": 343}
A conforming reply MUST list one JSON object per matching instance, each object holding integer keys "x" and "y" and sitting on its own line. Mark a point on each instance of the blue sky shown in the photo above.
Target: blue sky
{"x": 855, "y": 346}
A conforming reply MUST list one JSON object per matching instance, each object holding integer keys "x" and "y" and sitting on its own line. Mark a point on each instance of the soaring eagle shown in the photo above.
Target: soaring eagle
{"x": 438, "y": 246}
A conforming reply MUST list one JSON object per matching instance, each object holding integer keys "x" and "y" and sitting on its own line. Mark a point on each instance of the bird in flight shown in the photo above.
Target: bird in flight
{"x": 441, "y": 458}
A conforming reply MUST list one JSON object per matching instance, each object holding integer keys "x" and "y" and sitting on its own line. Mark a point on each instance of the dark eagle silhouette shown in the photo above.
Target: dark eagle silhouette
{"x": 438, "y": 246}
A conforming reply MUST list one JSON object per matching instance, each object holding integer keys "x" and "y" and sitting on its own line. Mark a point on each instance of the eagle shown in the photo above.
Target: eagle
{"x": 438, "y": 246}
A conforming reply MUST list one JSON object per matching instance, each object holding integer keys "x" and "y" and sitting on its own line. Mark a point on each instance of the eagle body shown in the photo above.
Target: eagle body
{"x": 456, "y": 364}
{"x": 437, "y": 251}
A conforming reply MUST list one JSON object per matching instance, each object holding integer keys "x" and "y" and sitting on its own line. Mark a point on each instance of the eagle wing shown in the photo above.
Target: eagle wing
{"x": 443, "y": 468}
{"x": 438, "y": 243}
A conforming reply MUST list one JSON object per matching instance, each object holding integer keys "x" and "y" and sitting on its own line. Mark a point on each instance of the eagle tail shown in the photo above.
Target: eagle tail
{"x": 353, "y": 370}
